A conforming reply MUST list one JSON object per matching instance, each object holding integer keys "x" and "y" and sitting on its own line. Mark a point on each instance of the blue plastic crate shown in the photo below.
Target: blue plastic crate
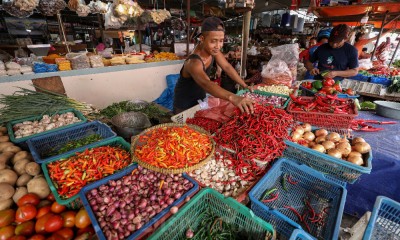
{"x": 22, "y": 141}
{"x": 42, "y": 145}
{"x": 119, "y": 175}
{"x": 299, "y": 234}
{"x": 321, "y": 192}
{"x": 381, "y": 80}
{"x": 385, "y": 220}
{"x": 335, "y": 167}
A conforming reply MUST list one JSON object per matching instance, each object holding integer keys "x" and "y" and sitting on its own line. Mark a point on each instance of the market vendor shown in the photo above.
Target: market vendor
{"x": 194, "y": 81}
{"x": 337, "y": 58}
{"x": 362, "y": 40}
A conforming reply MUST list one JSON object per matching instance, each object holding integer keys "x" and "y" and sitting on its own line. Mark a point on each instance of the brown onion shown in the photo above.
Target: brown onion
{"x": 319, "y": 148}
{"x": 357, "y": 140}
{"x": 296, "y": 136}
{"x": 311, "y": 144}
{"x": 356, "y": 160}
{"x": 328, "y": 145}
{"x": 174, "y": 209}
{"x": 334, "y": 153}
{"x": 309, "y": 136}
{"x": 362, "y": 147}
{"x": 320, "y": 139}
{"x": 321, "y": 132}
{"x": 306, "y": 127}
{"x": 334, "y": 137}
{"x": 344, "y": 148}
{"x": 355, "y": 154}
{"x": 299, "y": 129}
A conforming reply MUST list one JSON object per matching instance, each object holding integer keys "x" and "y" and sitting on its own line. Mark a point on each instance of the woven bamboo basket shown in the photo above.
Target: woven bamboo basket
{"x": 135, "y": 143}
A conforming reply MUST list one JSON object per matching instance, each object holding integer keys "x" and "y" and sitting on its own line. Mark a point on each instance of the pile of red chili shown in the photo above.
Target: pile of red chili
{"x": 173, "y": 147}
{"x": 322, "y": 103}
{"x": 207, "y": 124}
{"x": 259, "y": 136}
{"x": 72, "y": 174}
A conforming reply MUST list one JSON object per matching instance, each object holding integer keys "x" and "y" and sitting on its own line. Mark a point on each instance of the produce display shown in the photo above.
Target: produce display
{"x": 173, "y": 147}
{"x": 395, "y": 86}
{"x": 280, "y": 89}
{"x": 74, "y": 144}
{"x": 254, "y": 139}
{"x": 163, "y": 56}
{"x": 327, "y": 86}
{"x": 217, "y": 175}
{"x": 70, "y": 175}
{"x": 46, "y": 123}
{"x": 120, "y": 214}
{"x": 324, "y": 104}
{"x": 44, "y": 219}
{"x": 265, "y": 100}
{"x": 331, "y": 143}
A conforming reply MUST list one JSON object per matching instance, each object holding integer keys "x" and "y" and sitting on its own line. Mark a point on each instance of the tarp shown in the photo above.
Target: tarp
{"x": 166, "y": 99}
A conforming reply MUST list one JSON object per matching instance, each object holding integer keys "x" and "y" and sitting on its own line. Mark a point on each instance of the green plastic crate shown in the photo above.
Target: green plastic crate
{"x": 22, "y": 141}
{"x": 74, "y": 201}
{"x": 262, "y": 93}
{"x": 228, "y": 209}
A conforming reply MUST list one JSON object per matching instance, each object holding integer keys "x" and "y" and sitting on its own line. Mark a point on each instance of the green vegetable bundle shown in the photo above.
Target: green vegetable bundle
{"x": 25, "y": 103}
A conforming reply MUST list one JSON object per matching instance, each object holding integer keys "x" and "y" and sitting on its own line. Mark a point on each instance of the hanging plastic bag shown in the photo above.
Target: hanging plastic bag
{"x": 10, "y": 7}
{"x": 78, "y": 61}
{"x": 277, "y": 72}
{"x": 289, "y": 53}
{"x": 110, "y": 21}
{"x": 51, "y": 7}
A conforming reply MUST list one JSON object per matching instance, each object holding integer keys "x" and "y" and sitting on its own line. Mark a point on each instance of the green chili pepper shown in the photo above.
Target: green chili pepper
{"x": 268, "y": 192}
{"x": 283, "y": 179}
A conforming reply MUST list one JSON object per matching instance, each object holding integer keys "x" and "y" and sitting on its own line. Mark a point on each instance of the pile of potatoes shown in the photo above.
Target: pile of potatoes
{"x": 19, "y": 174}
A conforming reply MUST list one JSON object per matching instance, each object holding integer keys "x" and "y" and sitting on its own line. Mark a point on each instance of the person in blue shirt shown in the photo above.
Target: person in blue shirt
{"x": 337, "y": 59}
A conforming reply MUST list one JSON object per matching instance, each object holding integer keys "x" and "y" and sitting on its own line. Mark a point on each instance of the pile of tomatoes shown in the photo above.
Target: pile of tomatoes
{"x": 39, "y": 220}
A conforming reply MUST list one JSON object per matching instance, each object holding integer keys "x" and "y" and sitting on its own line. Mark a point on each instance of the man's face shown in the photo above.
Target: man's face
{"x": 213, "y": 42}
{"x": 337, "y": 44}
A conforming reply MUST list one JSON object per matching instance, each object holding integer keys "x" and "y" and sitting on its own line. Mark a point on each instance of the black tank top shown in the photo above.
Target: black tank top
{"x": 187, "y": 91}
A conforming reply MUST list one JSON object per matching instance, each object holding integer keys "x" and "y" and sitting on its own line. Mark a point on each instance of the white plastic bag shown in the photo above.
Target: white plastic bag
{"x": 365, "y": 64}
{"x": 252, "y": 51}
{"x": 2, "y": 66}
{"x": 12, "y": 66}
{"x": 289, "y": 53}
{"x": 12, "y": 72}
{"x": 96, "y": 61}
{"x": 25, "y": 69}
{"x": 3, "y": 72}
{"x": 277, "y": 72}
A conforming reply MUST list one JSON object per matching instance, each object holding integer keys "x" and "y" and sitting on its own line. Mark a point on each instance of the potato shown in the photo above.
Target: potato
{"x": 3, "y": 166}
{"x": 4, "y": 139}
{"x": 6, "y": 204}
{"x": 23, "y": 180}
{"x": 3, "y": 130}
{"x": 5, "y": 157}
{"x": 4, "y": 145}
{"x": 20, "y": 192}
{"x": 19, "y": 166}
{"x": 21, "y": 155}
{"x": 13, "y": 149}
{"x": 6, "y": 191}
{"x": 8, "y": 176}
{"x": 32, "y": 168}
{"x": 39, "y": 186}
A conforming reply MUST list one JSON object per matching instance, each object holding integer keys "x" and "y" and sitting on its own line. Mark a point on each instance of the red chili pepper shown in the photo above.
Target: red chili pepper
{"x": 290, "y": 180}
{"x": 295, "y": 212}
{"x": 274, "y": 197}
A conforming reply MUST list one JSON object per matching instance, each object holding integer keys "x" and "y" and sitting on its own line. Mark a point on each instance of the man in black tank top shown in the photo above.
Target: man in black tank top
{"x": 194, "y": 79}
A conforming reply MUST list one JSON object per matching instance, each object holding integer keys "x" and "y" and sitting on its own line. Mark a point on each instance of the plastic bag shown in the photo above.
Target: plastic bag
{"x": 12, "y": 72}
{"x": 110, "y": 21}
{"x": 63, "y": 64}
{"x": 25, "y": 69}
{"x": 51, "y": 7}
{"x": 78, "y": 60}
{"x": 277, "y": 72}
{"x": 12, "y": 66}
{"x": 3, "y": 72}
{"x": 96, "y": 61}
{"x": 2, "y": 66}
{"x": 26, "y": 5}
{"x": 365, "y": 64}
{"x": 289, "y": 53}
{"x": 252, "y": 51}
{"x": 10, "y": 8}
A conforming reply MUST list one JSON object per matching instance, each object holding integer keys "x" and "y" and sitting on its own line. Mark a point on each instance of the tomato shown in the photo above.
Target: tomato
{"x": 54, "y": 223}
{"x": 88, "y": 229}
{"x": 37, "y": 237}
{"x": 350, "y": 91}
{"x": 31, "y": 198}
{"x": 43, "y": 211}
{"x": 69, "y": 218}
{"x": 51, "y": 197}
{"x": 25, "y": 213}
{"x": 17, "y": 238}
{"x": 40, "y": 223}
{"x": 82, "y": 219}
{"x": 7, "y": 217}
{"x": 57, "y": 208}
{"x": 7, "y": 232}
{"x": 25, "y": 228}
{"x": 66, "y": 233}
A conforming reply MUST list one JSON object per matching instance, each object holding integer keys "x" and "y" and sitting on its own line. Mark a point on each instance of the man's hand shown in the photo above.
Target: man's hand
{"x": 244, "y": 104}
{"x": 330, "y": 74}
{"x": 314, "y": 71}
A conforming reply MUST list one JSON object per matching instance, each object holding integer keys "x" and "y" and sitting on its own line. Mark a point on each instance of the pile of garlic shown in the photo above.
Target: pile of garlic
{"x": 215, "y": 174}
{"x": 28, "y": 128}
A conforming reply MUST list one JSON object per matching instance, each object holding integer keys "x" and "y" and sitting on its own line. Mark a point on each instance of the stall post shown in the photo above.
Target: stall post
{"x": 188, "y": 26}
{"x": 395, "y": 52}
{"x": 60, "y": 22}
{"x": 245, "y": 40}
